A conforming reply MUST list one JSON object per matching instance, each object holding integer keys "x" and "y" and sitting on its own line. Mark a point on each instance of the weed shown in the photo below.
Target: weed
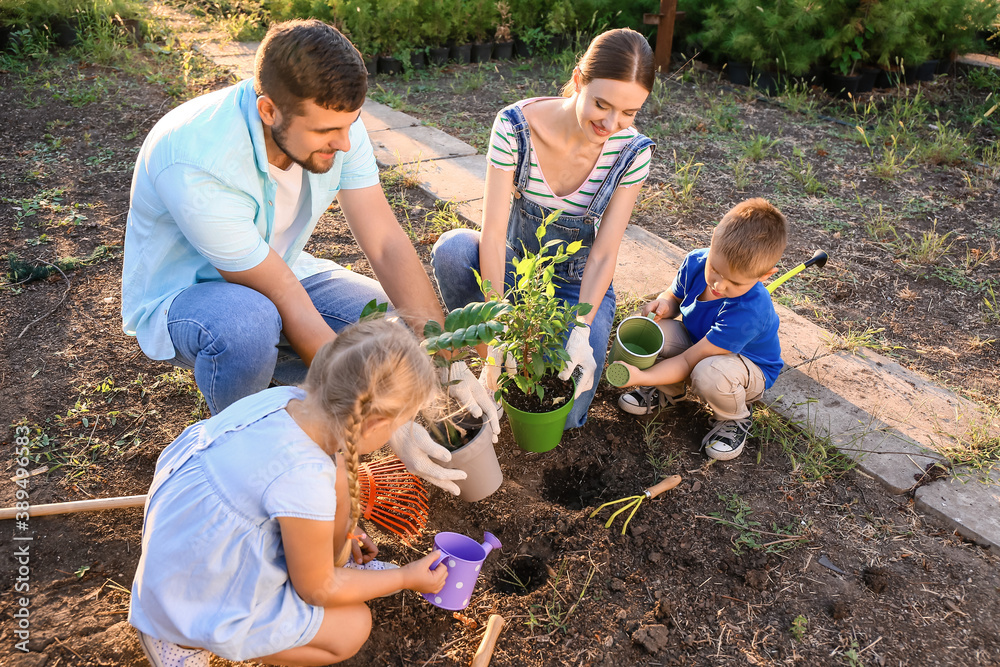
{"x": 948, "y": 145}
{"x": 20, "y": 271}
{"x": 759, "y": 147}
{"x": 652, "y": 442}
{"x": 742, "y": 172}
{"x": 442, "y": 219}
{"x": 555, "y": 613}
{"x": 800, "y": 624}
{"x": 82, "y": 570}
{"x": 798, "y": 97}
{"x": 890, "y": 165}
{"x": 928, "y": 248}
{"x": 390, "y": 98}
{"x": 852, "y": 657}
{"x": 854, "y": 341}
{"x": 812, "y": 457}
{"x": 44, "y": 200}
{"x": 978, "y": 447}
{"x": 658, "y": 98}
{"x": 878, "y": 225}
{"x": 722, "y": 112}
{"x": 509, "y": 576}
{"x": 991, "y": 308}
{"x": 737, "y": 515}
{"x": 803, "y": 173}
{"x": 469, "y": 81}
{"x": 685, "y": 179}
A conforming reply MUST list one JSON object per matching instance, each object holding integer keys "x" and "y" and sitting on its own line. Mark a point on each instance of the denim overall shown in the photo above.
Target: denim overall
{"x": 457, "y": 251}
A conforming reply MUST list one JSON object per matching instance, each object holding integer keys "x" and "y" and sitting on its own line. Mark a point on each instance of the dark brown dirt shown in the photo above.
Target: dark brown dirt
{"x": 675, "y": 589}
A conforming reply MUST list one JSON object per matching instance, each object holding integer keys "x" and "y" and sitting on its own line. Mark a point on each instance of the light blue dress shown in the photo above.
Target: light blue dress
{"x": 212, "y": 572}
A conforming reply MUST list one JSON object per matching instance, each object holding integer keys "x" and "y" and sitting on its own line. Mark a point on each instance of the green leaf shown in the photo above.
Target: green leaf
{"x": 431, "y": 329}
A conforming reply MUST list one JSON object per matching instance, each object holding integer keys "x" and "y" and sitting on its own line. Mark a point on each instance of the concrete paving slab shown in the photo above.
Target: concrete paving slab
{"x": 416, "y": 144}
{"x": 457, "y": 179}
{"x": 909, "y": 403}
{"x": 880, "y": 450}
{"x": 970, "y": 505}
{"x": 801, "y": 340}
{"x": 646, "y": 263}
{"x": 378, "y": 117}
{"x": 471, "y": 212}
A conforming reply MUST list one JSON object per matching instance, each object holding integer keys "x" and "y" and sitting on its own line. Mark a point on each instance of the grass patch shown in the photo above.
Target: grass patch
{"x": 855, "y": 340}
{"x": 812, "y": 457}
{"x": 737, "y": 514}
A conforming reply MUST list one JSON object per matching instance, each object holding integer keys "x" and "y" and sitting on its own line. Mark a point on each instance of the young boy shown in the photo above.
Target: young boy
{"x": 728, "y": 342}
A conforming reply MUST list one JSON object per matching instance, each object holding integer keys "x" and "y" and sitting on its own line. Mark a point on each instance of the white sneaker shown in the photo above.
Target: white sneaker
{"x": 370, "y": 565}
{"x": 162, "y": 653}
{"x": 645, "y": 400}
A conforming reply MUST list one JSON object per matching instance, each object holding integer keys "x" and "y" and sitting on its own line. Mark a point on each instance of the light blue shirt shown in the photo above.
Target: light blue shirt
{"x": 203, "y": 199}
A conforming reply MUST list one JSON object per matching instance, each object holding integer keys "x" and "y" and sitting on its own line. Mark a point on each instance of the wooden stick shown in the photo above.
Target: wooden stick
{"x": 485, "y": 651}
{"x": 75, "y": 506}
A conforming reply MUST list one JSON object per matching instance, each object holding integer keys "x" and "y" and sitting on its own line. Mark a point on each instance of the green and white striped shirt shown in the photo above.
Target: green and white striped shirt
{"x": 502, "y": 154}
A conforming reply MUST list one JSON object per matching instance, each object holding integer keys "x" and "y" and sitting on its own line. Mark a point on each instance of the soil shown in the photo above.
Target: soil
{"x": 684, "y": 584}
{"x": 555, "y": 393}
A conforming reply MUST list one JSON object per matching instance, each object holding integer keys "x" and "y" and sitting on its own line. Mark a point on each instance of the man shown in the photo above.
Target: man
{"x": 227, "y": 189}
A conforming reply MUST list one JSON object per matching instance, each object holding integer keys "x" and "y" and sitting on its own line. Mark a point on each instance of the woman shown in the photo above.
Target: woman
{"x": 580, "y": 154}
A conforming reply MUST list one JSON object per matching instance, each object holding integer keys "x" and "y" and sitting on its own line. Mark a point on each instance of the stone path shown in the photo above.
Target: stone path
{"x": 884, "y": 416}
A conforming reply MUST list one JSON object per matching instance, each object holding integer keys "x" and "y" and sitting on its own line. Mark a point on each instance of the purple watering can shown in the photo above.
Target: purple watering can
{"x": 464, "y": 558}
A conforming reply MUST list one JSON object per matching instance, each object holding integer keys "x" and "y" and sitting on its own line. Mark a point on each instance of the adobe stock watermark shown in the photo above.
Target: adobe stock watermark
{"x": 22, "y": 542}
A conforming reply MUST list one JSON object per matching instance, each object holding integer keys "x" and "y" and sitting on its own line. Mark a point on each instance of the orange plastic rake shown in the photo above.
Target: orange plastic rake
{"x": 393, "y": 497}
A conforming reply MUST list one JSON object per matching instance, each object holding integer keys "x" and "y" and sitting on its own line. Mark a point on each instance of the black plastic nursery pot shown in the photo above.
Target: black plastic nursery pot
{"x": 65, "y": 32}
{"x": 910, "y": 74}
{"x": 371, "y": 64}
{"x": 503, "y": 50}
{"x": 438, "y": 56}
{"x": 521, "y": 48}
{"x": 841, "y": 86}
{"x": 482, "y": 52}
{"x": 389, "y": 65}
{"x": 886, "y": 79}
{"x": 926, "y": 70}
{"x": 418, "y": 60}
{"x": 738, "y": 73}
{"x": 768, "y": 83}
{"x": 461, "y": 53}
{"x": 868, "y": 76}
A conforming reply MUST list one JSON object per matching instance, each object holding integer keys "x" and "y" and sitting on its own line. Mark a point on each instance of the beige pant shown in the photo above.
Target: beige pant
{"x": 727, "y": 382}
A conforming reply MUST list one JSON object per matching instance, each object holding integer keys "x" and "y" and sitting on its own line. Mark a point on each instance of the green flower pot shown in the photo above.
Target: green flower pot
{"x": 537, "y": 431}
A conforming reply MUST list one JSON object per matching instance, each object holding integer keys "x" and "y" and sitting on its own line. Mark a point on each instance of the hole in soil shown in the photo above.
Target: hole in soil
{"x": 574, "y": 487}
{"x": 520, "y": 576}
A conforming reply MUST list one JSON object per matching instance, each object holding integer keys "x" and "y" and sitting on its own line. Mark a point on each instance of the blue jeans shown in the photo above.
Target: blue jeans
{"x": 229, "y": 335}
{"x": 454, "y": 257}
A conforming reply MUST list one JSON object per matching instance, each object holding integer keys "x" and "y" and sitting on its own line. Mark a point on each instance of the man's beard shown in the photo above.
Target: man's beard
{"x": 312, "y": 163}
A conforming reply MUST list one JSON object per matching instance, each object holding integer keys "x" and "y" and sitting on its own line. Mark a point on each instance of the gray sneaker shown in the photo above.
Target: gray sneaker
{"x": 646, "y": 400}
{"x": 726, "y": 439}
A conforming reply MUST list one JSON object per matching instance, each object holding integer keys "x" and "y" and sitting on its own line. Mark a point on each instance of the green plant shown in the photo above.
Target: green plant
{"x": 554, "y": 614}
{"x": 685, "y": 179}
{"x": 361, "y": 21}
{"x": 737, "y": 515}
{"x": 652, "y": 442}
{"x": 928, "y": 248}
{"x": 854, "y": 340}
{"x": 800, "y": 624}
{"x": 758, "y": 147}
{"x": 803, "y": 173}
{"x": 892, "y": 163}
{"x": 464, "y": 329}
{"x": 812, "y": 457}
{"x": 991, "y": 307}
{"x": 537, "y": 320}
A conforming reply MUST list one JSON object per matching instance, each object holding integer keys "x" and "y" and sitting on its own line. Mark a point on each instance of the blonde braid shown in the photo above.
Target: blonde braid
{"x": 354, "y": 423}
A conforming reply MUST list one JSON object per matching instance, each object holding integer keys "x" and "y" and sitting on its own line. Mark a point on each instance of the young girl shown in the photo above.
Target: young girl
{"x": 249, "y": 521}
{"x": 578, "y": 153}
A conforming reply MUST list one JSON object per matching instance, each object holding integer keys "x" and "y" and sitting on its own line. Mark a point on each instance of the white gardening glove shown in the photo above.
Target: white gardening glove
{"x": 490, "y": 375}
{"x": 472, "y": 396}
{"x": 582, "y": 355}
{"x": 415, "y": 448}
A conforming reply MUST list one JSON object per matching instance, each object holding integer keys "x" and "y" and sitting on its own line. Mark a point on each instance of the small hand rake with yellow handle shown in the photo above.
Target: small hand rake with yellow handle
{"x": 633, "y": 502}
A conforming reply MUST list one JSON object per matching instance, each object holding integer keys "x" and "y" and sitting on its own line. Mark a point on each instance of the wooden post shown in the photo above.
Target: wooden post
{"x": 664, "y": 21}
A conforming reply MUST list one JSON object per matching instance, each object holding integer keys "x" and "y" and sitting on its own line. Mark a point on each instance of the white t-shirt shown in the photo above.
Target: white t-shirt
{"x": 288, "y": 201}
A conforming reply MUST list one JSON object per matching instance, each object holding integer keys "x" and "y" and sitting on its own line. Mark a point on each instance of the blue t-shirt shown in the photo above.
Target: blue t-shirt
{"x": 746, "y": 325}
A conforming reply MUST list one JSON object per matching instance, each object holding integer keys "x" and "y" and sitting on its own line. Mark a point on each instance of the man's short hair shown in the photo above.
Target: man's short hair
{"x": 752, "y": 236}
{"x": 309, "y": 60}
